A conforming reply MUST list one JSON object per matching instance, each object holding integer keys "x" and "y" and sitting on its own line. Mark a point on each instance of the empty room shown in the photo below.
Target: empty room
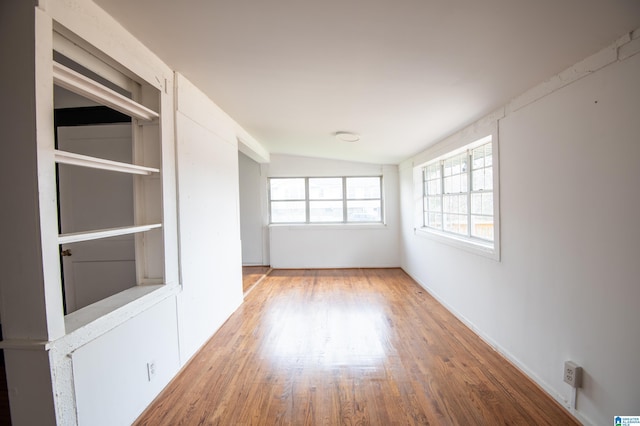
{"x": 337, "y": 212}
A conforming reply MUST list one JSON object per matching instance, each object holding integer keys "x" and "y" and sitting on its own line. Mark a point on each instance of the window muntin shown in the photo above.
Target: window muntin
{"x": 326, "y": 200}
{"x": 458, "y": 193}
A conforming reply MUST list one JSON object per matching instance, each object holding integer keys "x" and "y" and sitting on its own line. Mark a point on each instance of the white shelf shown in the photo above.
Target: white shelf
{"x": 76, "y": 237}
{"x": 84, "y": 86}
{"x": 64, "y": 157}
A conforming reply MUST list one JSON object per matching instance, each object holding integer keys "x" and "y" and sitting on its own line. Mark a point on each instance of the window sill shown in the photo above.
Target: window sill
{"x": 491, "y": 251}
{"x": 328, "y": 226}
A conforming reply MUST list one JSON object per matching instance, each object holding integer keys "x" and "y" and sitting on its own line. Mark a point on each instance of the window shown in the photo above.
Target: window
{"x": 326, "y": 199}
{"x": 458, "y": 193}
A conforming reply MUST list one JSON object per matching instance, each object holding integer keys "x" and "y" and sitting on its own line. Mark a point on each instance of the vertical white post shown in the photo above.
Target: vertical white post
{"x": 31, "y": 299}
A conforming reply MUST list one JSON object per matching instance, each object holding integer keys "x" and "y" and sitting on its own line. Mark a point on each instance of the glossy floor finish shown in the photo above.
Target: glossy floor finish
{"x": 251, "y": 275}
{"x": 351, "y": 347}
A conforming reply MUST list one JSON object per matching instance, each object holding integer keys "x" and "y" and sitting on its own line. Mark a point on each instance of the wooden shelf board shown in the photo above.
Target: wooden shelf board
{"x": 76, "y": 237}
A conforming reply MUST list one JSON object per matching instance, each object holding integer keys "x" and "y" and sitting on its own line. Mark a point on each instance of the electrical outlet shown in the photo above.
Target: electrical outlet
{"x": 151, "y": 370}
{"x": 572, "y": 374}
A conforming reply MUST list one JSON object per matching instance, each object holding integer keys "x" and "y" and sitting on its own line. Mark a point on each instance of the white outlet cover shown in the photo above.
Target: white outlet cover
{"x": 151, "y": 370}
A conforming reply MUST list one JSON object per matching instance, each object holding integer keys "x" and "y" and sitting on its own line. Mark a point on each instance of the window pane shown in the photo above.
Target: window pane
{"x": 487, "y": 203}
{"x": 478, "y": 157}
{"x": 488, "y": 159}
{"x": 462, "y": 204}
{"x": 325, "y": 188}
{"x": 455, "y": 165}
{"x": 449, "y": 204}
{"x": 482, "y": 227}
{"x": 488, "y": 178}
{"x": 482, "y": 203}
{"x": 455, "y": 184}
{"x": 433, "y": 187}
{"x": 287, "y": 189}
{"x": 448, "y": 185}
{"x": 363, "y": 188}
{"x": 476, "y": 203}
{"x": 364, "y": 211}
{"x": 454, "y": 204}
{"x": 325, "y": 211}
{"x": 455, "y": 223}
{"x": 434, "y": 204}
{"x": 446, "y": 166}
{"x": 478, "y": 180}
{"x": 288, "y": 211}
{"x": 433, "y": 220}
{"x": 433, "y": 171}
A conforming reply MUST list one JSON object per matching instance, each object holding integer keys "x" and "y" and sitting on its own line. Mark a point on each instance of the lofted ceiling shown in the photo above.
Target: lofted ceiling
{"x": 402, "y": 74}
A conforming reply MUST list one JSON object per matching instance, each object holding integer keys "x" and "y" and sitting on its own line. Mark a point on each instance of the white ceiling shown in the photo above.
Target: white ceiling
{"x": 403, "y": 74}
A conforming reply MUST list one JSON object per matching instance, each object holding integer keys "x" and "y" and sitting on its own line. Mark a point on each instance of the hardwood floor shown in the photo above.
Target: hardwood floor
{"x": 251, "y": 275}
{"x": 351, "y": 347}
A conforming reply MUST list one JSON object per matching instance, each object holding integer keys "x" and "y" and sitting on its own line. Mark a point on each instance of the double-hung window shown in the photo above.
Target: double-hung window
{"x": 326, "y": 200}
{"x": 458, "y": 194}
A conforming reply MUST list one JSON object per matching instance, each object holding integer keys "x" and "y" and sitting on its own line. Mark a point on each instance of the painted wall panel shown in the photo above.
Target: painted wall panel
{"x": 30, "y": 383}
{"x": 209, "y": 227}
{"x": 107, "y": 372}
{"x": 567, "y": 285}
{"x": 252, "y": 221}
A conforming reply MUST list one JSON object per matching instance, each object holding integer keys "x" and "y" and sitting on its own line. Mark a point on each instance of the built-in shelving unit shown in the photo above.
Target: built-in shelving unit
{"x": 76, "y": 237}
{"x": 99, "y": 252}
{"x": 63, "y": 157}
{"x": 84, "y": 86}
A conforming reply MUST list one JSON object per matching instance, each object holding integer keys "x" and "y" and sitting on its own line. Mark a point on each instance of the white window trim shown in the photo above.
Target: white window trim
{"x": 447, "y": 148}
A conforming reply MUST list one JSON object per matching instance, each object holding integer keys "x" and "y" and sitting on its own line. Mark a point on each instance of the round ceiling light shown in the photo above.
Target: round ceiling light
{"x": 347, "y": 137}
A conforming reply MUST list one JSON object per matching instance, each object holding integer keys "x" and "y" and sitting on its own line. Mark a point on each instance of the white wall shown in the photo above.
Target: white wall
{"x": 252, "y": 214}
{"x": 211, "y": 263}
{"x": 567, "y": 285}
{"x": 111, "y": 383}
{"x": 336, "y": 246}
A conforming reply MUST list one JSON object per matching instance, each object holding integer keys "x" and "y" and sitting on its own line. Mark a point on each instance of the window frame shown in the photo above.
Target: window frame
{"x": 446, "y": 150}
{"x": 344, "y": 200}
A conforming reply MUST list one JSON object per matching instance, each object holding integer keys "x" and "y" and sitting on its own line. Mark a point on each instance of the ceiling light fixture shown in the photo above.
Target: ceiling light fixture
{"x": 347, "y": 137}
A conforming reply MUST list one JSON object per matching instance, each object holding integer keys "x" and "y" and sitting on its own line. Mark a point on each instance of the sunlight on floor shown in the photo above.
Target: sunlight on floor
{"x": 327, "y": 336}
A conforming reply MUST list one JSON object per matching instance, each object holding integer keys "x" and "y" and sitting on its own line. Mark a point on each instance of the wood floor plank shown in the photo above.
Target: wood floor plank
{"x": 349, "y": 347}
{"x": 251, "y": 275}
